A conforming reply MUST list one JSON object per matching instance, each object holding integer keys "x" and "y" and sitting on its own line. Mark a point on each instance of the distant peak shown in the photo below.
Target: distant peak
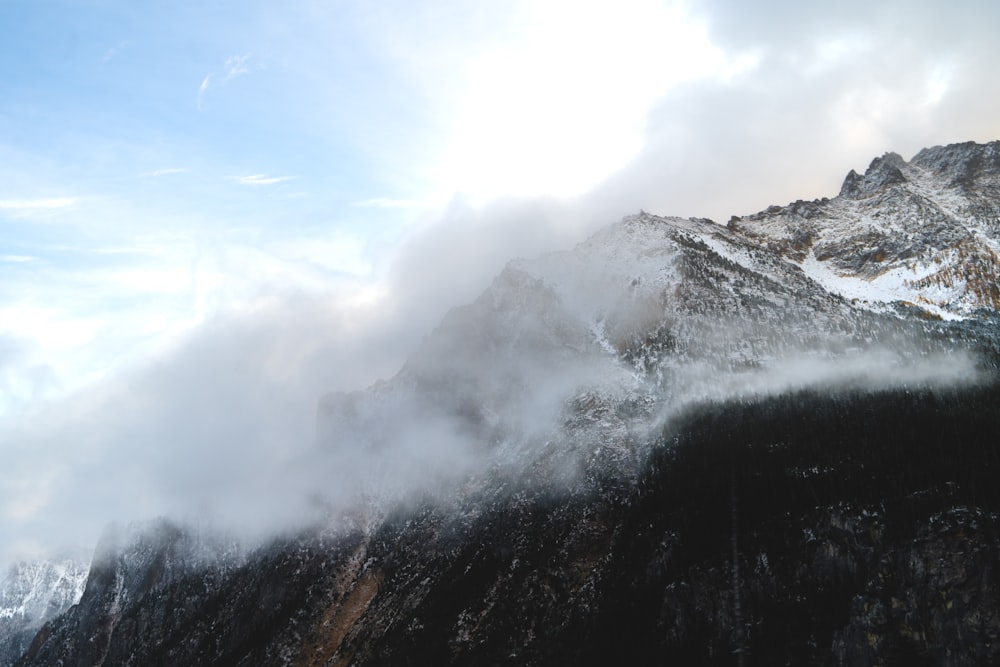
{"x": 852, "y": 184}
{"x": 882, "y": 172}
{"x": 962, "y": 164}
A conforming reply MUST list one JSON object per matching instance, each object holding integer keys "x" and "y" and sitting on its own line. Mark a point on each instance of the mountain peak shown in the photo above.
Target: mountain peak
{"x": 31, "y": 594}
{"x": 962, "y": 164}
{"x": 881, "y": 173}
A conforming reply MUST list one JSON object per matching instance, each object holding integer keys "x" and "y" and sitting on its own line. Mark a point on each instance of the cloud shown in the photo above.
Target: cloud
{"x": 825, "y": 90}
{"x": 709, "y": 109}
{"x": 261, "y": 179}
{"x": 545, "y": 116}
{"x": 169, "y": 171}
{"x": 113, "y": 52}
{"x": 234, "y": 67}
{"x": 204, "y": 428}
{"x": 202, "y": 89}
{"x": 221, "y": 421}
{"x": 24, "y": 375}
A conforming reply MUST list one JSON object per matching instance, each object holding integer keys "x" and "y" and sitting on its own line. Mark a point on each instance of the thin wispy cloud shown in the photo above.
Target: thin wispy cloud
{"x": 168, "y": 172}
{"x": 234, "y": 66}
{"x": 202, "y": 89}
{"x": 261, "y": 179}
{"x": 17, "y": 259}
{"x": 111, "y": 53}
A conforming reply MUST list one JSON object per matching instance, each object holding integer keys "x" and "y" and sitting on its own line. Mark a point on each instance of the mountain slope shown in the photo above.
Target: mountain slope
{"x": 863, "y": 528}
{"x": 31, "y": 594}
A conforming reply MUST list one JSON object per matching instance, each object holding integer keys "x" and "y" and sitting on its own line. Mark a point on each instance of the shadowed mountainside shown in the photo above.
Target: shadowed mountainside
{"x": 856, "y": 528}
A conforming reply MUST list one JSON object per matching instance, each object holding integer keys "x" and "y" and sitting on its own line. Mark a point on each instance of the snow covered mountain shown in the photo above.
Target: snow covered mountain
{"x": 33, "y": 593}
{"x": 889, "y": 283}
{"x": 677, "y": 441}
{"x": 925, "y": 232}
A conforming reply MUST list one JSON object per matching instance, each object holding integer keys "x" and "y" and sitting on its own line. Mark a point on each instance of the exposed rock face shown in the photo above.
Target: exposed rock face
{"x": 932, "y": 598}
{"x": 679, "y": 443}
{"x": 881, "y": 173}
{"x": 971, "y": 166}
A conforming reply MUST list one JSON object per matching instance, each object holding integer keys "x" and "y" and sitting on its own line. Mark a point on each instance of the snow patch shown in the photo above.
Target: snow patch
{"x": 890, "y": 287}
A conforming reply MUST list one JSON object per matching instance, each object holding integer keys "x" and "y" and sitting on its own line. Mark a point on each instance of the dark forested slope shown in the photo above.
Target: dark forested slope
{"x": 855, "y": 527}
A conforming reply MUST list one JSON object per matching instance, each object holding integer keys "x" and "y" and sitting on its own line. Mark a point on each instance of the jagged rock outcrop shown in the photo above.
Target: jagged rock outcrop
{"x": 881, "y": 173}
{"x": 971, "y": 166}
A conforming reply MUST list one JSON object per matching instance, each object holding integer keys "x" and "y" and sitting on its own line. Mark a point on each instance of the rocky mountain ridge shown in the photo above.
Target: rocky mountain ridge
{"x": 771, "y": 440}
{"x": 923, "y": 232}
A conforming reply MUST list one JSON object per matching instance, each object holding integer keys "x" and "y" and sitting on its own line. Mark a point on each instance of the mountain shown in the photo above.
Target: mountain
{"x": 33, "y": 593}
{"x": 771, "y": 441}
{"x": 922, "y": 232}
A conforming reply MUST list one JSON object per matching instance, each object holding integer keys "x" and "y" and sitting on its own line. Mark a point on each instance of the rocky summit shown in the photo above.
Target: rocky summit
{"x": 769, "y": 442}
{"x": 921, "y": 232}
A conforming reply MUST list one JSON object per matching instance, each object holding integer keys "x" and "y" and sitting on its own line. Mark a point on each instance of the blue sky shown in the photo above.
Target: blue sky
{"x": 150, "y": 157}
{"x": 162, "y": 162}
{"x": 281, "y": 199}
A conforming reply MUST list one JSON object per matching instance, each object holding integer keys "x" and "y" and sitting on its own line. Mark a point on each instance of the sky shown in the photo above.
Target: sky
{"x": 211, "y": 214}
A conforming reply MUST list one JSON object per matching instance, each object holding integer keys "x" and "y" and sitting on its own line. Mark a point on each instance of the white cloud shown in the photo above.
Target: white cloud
{"x": 201, "y": 428}
{"x": 114, "y": 51}
{"x": 232, "y": 395}
{"x": 562, "y": 104}
{"x": 170, "y": 171}
{"x": 202, "y": 89}
{"x": 261, "y": 179}
{"x": 823, "y": 90}
{"x": 234, "y": 66}
{"x": 49, "y": 326}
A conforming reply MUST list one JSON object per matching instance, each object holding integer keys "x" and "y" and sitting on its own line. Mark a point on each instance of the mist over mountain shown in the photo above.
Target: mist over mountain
{"x": 771, "y": 440}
